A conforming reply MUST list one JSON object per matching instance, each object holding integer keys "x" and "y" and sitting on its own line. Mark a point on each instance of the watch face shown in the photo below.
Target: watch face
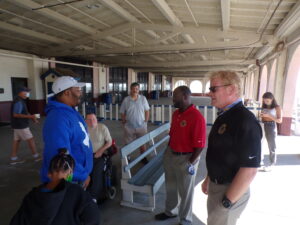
{"x": 226, "y": 203}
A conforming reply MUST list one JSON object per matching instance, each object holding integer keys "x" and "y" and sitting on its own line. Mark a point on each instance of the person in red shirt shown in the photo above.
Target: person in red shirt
{"x": 181, "y": 159}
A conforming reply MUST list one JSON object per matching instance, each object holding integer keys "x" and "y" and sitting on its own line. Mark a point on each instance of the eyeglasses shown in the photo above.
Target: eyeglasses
{"x": 213, "y": 89}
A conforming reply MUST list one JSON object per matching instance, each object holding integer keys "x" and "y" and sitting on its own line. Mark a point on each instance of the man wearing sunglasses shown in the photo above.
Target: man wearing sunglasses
{"x": 233, "y": 154}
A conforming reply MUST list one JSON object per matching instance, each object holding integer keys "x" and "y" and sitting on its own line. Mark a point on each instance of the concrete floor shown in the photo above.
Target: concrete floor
{"x": 275, "y": 194}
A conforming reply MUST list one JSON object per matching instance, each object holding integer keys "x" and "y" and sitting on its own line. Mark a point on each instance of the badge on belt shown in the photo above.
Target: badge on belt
{"x": 222, "y": 128}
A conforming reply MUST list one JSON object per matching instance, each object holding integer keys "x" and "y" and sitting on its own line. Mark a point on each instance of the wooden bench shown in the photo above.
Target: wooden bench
{"x": 150, "y": 177}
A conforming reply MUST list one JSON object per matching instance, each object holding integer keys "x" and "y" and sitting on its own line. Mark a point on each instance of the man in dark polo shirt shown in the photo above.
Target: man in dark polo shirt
{"x": 181, "y": 159}
{"x": 20, "y": 124}
{"x": 233, "y": 154}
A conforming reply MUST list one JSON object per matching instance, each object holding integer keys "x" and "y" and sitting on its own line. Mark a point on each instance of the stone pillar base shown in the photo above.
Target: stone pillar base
{"x": 285, "y": 127}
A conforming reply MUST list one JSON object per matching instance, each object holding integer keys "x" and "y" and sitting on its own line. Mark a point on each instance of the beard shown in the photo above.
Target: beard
{"x": 177, "y": 105}
{"x": 77, "y": 99}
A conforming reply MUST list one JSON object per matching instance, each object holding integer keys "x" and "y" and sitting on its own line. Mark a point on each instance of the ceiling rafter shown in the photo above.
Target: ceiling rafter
{"x": 191, "y": 12}
{"x": 31, "y": 33}
{"x": 196, "y": 63}
{"x": 126, "y": 15}
{"x": 65, "y": 20}
{"x": 290, "y": 23}
{"x": 171, "y": 17}
{"x": 225, "y": 10}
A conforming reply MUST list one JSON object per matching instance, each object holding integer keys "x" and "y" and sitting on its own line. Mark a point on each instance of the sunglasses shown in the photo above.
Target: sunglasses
{"x": 213, "y": 89}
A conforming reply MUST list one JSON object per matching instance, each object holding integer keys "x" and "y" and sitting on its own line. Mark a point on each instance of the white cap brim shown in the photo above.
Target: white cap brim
{"x": 79, "y": 84}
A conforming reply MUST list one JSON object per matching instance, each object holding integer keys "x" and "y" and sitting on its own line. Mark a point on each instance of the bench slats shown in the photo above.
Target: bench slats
{"x": 144, "y": 154}
{"x": 149, "y": 178}
{"x": 150, "y": 173}
{"x": 131, "y": 147}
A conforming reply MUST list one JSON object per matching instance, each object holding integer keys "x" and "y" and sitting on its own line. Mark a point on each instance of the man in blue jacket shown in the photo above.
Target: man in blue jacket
{"x": 65, "y": 128}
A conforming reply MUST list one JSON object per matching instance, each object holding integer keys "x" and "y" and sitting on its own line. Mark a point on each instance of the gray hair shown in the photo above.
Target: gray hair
{"x": 228, "y": 77}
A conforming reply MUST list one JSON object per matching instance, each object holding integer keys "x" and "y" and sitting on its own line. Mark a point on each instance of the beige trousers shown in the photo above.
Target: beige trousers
{"x": 179, "y": 186}
{"x": 217, "y": 214}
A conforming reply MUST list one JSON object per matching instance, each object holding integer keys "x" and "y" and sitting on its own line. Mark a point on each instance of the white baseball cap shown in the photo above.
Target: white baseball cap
{"x": 65, "y": 82}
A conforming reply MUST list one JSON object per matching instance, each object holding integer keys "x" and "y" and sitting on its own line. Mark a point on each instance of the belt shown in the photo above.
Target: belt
{"x": 269, "y": 122}
{"x": 219, "y": 181}
{"x": 181, "y": 153}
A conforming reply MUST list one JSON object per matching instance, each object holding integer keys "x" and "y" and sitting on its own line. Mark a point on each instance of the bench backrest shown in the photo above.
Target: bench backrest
{"x": 133, "y": 146}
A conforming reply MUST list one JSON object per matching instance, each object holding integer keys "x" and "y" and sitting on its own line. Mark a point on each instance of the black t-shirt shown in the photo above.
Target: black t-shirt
{"x": 234, "y": 142}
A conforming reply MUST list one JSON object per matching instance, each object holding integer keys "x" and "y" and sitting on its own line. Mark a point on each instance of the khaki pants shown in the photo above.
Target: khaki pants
{"x": 130, "y": 134}
{"x": 217, "y": 214}
{"x": 179, "y": 186}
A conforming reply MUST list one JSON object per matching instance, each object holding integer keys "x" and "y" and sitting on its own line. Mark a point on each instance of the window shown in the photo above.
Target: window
{"x": 118, "y": 77}
{"x": 142, "y": 79}
{"x": 196, "y": 86}
{"x": 207, "y": 87}
{"x": 180, "y": 83}
{"x": 168, "y": 83}
{"x": 158, "y": 82}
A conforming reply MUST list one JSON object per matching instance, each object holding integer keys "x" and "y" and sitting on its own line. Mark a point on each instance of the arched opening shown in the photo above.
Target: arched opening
{"x": 196, "y": 86}
{"x": 180, "y": 83}
{"x": 272, "y": 77}
{"x": 291, "y": 101}
{"x": 263, "y": 82}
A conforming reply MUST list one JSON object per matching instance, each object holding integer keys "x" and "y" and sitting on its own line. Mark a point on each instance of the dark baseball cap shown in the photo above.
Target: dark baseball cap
{"x": 21, "y": 89}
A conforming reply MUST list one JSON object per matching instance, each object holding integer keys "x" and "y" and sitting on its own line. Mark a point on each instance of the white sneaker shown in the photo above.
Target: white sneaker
{"x": 16, "y": 161}
{"x": 37, "y": 157}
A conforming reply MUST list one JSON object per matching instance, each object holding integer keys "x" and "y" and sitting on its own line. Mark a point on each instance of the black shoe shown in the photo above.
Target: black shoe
{"x": 163, "y": 216}
{"x": 144, "y": 161}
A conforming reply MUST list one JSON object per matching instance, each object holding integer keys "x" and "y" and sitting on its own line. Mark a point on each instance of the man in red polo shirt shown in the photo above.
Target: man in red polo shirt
{"x": 181, "y": 159}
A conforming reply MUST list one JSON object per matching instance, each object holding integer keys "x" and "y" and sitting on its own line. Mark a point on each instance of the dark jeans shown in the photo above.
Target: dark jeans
{"x": 96, "y": 186}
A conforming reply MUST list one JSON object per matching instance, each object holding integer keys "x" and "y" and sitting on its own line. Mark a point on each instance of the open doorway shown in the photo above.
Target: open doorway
{"x": 17, "y": 82}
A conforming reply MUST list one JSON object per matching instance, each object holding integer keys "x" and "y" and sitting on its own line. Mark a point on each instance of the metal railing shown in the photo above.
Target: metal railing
{"x": 159, "y": 114}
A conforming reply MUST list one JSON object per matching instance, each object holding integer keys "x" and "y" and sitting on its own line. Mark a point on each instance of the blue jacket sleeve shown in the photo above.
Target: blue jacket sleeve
{"x": 56, "y": 135}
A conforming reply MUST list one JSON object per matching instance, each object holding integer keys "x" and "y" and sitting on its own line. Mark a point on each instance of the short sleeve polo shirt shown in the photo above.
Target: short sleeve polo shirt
{"x": 135, "y": 110}
{"x": 188, "y": 130}
{"x": 234, "y": 142}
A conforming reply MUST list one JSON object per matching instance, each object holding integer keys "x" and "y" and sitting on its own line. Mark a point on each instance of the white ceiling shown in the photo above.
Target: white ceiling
{"x": 173, "y": 37}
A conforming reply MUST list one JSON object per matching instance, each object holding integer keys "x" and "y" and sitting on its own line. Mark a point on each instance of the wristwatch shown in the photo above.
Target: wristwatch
{"x": 226, "y": 202}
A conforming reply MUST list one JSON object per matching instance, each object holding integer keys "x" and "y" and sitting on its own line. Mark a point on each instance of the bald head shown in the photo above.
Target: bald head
{"x": 182, "y": 97}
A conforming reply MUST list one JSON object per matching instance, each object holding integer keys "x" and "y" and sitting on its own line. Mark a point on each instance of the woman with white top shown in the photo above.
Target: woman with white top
{"x": 270, "y": 115}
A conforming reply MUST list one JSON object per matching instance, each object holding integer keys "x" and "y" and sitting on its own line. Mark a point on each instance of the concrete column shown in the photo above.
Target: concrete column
{"x": 292, "y": 68}
{"x": 163, "y": 85}
{"x": 35, "y": 69}
{"x": 96, "y": 87}
{"x": 151, "y": 82}
{"x": 280, "y": 77}
{"x": 256, "y": 83}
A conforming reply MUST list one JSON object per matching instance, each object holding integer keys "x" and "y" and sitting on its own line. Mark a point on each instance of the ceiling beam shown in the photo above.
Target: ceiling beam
{"x": 290, "y": 23}
{"x": 198, "y": 63}
{"x": 225, "y": 9}
{"x": 163, "y": 38}
{"x": 197, "y": 31}
{"x": 31, "y": 33}
{"x": 125, "y": 15}
{"x": 165, "y": 9}
{"x": 191, "y": 12}
{"x": 96, "y": 38}
{"x": 29, "y": 4}
{"x": 192, "y": 70}
{"x": 165, "y": 49}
